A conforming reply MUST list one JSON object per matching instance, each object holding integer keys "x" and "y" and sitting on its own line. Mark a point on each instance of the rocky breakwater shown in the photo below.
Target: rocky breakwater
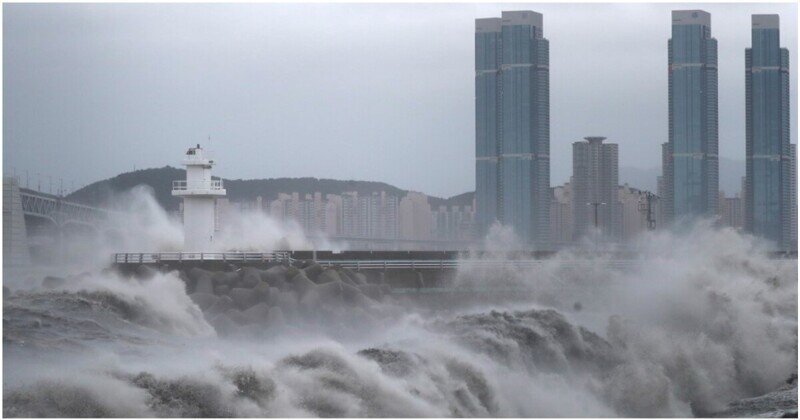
{"x": 250, "y": 300}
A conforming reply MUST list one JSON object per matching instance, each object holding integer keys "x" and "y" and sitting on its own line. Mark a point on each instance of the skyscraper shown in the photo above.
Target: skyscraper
{"x": 595, "y": 179}
{"x": 693, "y": 117}
{"x": 768, "y": 202}
{"x": 665, "y": 184}
{"x": 793, "y": 197}
{"x": 512, "y": 125}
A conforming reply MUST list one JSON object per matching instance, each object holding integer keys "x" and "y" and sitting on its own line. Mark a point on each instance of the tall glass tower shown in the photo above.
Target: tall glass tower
{"x": 512, "y": 125}
{"x": 693, "y": 116}
{"x": 768, "y": 211}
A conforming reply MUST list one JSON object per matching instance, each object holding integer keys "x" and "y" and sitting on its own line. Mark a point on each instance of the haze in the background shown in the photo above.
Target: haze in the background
{"x": 350, "y": 91}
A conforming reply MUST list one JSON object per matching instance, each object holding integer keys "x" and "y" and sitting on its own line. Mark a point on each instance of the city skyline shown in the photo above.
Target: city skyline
{"x": 83, "y": 122}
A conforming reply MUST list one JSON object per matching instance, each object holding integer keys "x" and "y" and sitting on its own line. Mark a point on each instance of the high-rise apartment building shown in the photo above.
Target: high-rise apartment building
{"x": 453, "y": 223}
{"x": 731, "y": 211}
{"x": 793, "y": 197}
{"x": 595, "y": 178}
{"x": 382, "y": 215}
{"x": 414, "y": 217}
{"x": 633, "y": 203}
{"x": 512, "y": 125}
{"x": 333, "y": 214}
{"x": 768, "y": 211}
{"x": 665, "y": 184}
{"x": 693, "y": 166}
{"x": 561, "y": 216}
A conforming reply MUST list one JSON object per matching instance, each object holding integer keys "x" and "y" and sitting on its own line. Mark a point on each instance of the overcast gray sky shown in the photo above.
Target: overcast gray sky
{"x": 349, "y": 91}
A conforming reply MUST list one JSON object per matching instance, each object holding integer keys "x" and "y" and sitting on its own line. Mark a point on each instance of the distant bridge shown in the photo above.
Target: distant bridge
{"x": 34, "y": 222}
{"x": 57, "y": 210}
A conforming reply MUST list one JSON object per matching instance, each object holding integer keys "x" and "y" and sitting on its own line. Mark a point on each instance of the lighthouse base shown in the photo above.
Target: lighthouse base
{"x": 199, "y": 224}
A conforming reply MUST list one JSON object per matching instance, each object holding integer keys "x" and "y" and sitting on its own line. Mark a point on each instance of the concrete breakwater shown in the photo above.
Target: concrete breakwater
{"x": 249, "y": 299}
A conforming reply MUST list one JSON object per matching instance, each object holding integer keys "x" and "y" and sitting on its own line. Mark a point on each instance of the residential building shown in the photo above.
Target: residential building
{"x": 414, "y": 217}
{"x": 561, "y": 216}
{"x": 793, "y": 196}
{"x": 595, "y": 178}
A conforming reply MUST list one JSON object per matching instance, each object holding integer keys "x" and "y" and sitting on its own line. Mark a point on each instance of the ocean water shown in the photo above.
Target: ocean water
{"x": 702, "y": 323}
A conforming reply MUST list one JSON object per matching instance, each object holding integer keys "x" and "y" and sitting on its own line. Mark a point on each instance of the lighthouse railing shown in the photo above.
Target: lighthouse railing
{"x": 214, "y": 184}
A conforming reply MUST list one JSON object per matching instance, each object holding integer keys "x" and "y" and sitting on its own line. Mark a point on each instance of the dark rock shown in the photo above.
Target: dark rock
{"x": 251, "y": 277}
{"x": 360, "y": 279}
{"x": 221, "y": 289}
{"x": 328, "y": 276}
{"x": 280, "y": 284}
{"x": 301, "y": 284}
{"x": 185, "y": 279}
{"x": 313, "y": 270}
{"x": 195, "y": 273}
{"x": 288, "y": 303}
{"x": 347, "y": 276}
{"x": 278, "y": 271}
{"x": 244, "y": 298}
{"x": 353, "y": 294}
{"x": 257, "y": 314}
{"x": 145, "y": 272}
{"x": 222, "y": 305}
{"x": 276, "y": 276}
{"x": 236, "y": 316}
{"x": 203, "y": 300}
{"x": 374, "y": 291}
{"x": 226, "y": 278}
{"x": 311, "y": 301}
{"x": 52, "y": 282}
{"x": 275, "y": 317}
{"x": 224, "y": 325}
{"x": 263, "y": 291}
{"x": 273, "y": 296}
{"x": 203, "y": 284}
{"x": 292, "y": 271}
{"x": 330, "y": 292}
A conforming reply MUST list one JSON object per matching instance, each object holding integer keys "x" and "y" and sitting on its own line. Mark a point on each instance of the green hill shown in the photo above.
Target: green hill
{"x": 160, "y": 180}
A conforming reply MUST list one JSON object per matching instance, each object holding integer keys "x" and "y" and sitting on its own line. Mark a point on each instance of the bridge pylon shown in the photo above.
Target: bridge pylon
{"x": 15, "y": 235}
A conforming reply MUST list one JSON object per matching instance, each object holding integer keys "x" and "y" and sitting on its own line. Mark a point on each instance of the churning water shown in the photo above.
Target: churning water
{"x": 701, "y": 320}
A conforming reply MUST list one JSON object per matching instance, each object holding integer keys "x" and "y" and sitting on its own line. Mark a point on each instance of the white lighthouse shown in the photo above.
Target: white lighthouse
{"x": 199, "y": 194}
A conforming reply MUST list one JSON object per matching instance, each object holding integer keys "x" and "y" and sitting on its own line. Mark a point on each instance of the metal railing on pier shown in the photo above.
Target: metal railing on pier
{"x": 151, "y": 258}
{"x": 383, "y": 265}
{"x": 454, "y": 264}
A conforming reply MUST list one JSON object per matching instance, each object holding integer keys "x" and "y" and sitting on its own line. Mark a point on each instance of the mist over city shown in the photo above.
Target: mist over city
{"x": 400, "y": 210}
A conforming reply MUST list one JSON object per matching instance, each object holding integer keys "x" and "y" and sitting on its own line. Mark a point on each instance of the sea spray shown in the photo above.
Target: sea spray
{"x": 688, "y": 326}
